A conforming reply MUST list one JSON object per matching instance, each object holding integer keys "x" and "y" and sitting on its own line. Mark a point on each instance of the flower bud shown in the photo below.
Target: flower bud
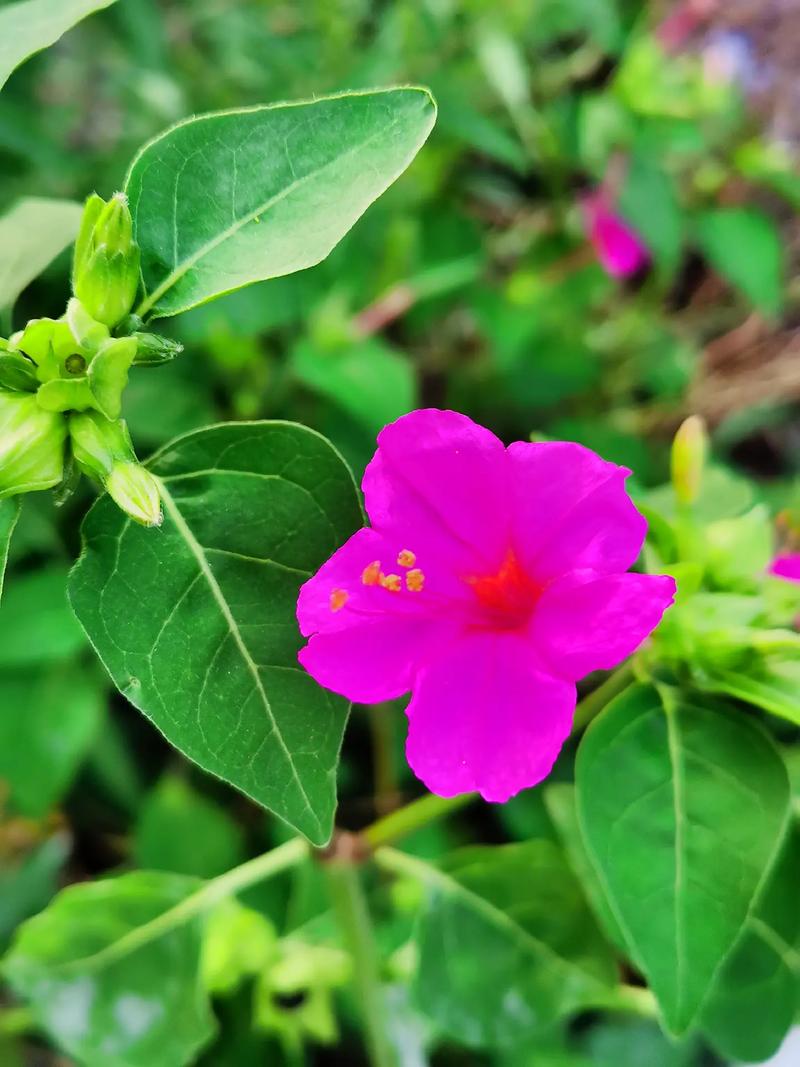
{"x": 688, "y": 459}
{"x": 153, "y": 349}
{"x": 103, "y": 450}
{"x": 105, "y": 274}
{"x": 31, "y": 445}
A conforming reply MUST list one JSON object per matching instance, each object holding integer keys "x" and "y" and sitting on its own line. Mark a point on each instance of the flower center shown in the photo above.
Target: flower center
{"x": 507, "y": 597}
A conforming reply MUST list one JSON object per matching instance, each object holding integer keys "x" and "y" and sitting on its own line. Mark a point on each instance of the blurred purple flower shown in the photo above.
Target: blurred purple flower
{"x": 619, "y": 248}
{"x": 490, "y": 581}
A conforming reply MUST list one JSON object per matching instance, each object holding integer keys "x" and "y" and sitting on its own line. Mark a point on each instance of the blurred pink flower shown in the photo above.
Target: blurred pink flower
{"x": 491, "y": 579}
{"x": 786, "y": 565}
{"x": 619, "y": 248}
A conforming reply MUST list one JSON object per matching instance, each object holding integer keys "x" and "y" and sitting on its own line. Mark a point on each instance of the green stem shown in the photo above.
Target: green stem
{"x": 16, "y": 1021}
{"x": 355, "y": 924}
{"x": 385, "y": 781}
{"x": 227, "y": 885}
{"x": 594, "y": 703}
{"x": 413, "y": 817}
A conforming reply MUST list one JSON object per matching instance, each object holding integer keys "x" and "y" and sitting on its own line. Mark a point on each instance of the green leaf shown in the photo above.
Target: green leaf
{"x": 180, "y": 830}
{"x": 367, "y": 379}
{"x": 756, "y": 997}
{"x": 561, "y": 805}
{"x": 35, "y": 230}
{"x": 278, "y": 185}
{"x": 745, "y": 247}
{"x": 36, "y": 624}
{"x": 144, "y": 1007}
{"x": 506, "y": 943}
{"x": 683, "y": 806}
{"x": 32, "y": 25}
{"x": 649, "y": 202}
{"x": 9, "y": 514}
{"x": 196, "y": 621}
{"x": 48, "y": 722}
{"x": 771, "y": 683}
{"x": 27, "y": 886}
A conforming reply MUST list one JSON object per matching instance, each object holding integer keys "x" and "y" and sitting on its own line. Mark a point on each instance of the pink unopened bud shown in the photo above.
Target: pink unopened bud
{"x": 619, "y": 248}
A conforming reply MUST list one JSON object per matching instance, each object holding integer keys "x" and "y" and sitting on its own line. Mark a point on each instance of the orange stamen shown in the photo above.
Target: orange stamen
{"x": 391, "y": 582}
{"x": 339, "y": 598}
{"x": 415, "y": 580}
{"x": 406, "y": 558}
{"x": 371, "y": 575}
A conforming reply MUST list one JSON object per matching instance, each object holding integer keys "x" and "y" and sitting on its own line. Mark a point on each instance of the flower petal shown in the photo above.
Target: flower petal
{"x": 375, "y": 659}
{"x": 484, "y": 716}
{"x": 786, "y": 565}
{"x": 571, "y": 511}
{"x": 442, "y": 481}
{"x": 588, "y": 622}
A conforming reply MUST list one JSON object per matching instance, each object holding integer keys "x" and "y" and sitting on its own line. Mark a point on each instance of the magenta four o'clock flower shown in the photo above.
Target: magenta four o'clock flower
{"x": 786, "y": 565}
{"x": 491, "y": 579}
{"x": 619, "y": 248}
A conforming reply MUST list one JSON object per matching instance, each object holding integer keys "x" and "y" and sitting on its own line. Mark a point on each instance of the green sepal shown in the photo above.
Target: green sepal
{"x": 48, "y": 343}
{"x": 17, "y": 373}
{"x": 89, "y": 334}
{"x": 108, "y": 374}
{"x": 66, "y": 394}
{"x": 31, "y": 445}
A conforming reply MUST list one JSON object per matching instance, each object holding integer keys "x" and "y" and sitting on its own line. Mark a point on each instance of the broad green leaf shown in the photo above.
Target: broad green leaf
{"x": 236, "y": 197}
{"x": 9, "y": 514}
{"x": 31, "y": 25}
{"x": 744, "y": 246}
{"x": 101, "y": 999}
{"x": 36, "y": 624}
{"x": 506, "y": 944}
{"x": 180, "y": 830}
{"x": 196, "y": 621}
{"x": 32, "y": 234}
{"x": 757, "y": 994}
{"x": 370, "y": 381}
{"x": 683, "y": 804}
{"x": 48, "y": 720}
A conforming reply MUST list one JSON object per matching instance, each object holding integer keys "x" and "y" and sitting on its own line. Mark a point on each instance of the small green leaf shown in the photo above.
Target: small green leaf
{"x": 367, "y": 379}
{"x": 279, "y": 187}
{"x": 506, "y": 943}
{"x": 35, "y": 230}
{"x": 31, "y": 25}
{"x": 683, "y": 806}
{"x": 48, "y": 720}
{"x": 28, "y": 885}
{"x": 9, "y": 514}
{"x": 180, "y": 830}
{"x": 757, "y": 994}
{"x": 649, "y": 202}
{"x": 196, "y": 624}
{"x": 771, "y": 683}
{"x": 744, "y": 246}
{"x": 36, "y": 624}
{"x": 144, "y": 1007}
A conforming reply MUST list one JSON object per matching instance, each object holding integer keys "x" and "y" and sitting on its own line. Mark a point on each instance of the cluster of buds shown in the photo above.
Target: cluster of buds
{"x": 62, "y": 380}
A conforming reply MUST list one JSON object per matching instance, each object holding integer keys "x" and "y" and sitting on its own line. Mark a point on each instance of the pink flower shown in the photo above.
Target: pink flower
{"x": 619, "y": 248}
{"x": 786, "y": 565}
{"x": 491, "y": 579}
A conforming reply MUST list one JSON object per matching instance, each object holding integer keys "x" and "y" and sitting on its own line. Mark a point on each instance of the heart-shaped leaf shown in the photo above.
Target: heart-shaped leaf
{"x": 195, "y": 621}
{"x": 235, "y": 197}
{"x": 683, "y": 805}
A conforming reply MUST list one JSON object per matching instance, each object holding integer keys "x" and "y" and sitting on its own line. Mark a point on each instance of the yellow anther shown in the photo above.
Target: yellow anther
{"x": 391, "y": 582}
{"x": 415, "y": 580}
{"x": 339, "y": 598}
{"x": 371, "y": 575}
{"x": 406, "y": 558}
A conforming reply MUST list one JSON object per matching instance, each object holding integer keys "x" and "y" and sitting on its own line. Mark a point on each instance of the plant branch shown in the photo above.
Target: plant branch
{"x": 352, "y": 913}
{"x": 594, "y": 703}
{"x": 413, "y": 816}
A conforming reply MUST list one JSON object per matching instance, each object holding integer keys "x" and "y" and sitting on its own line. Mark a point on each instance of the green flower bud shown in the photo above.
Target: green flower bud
{"x": 103, "y": 450}
{"x": 688, "y": 459}
{"x": 31, "y": 445}
{"x": 17, "y": 373}
{"x": 105, "y": 273}
{"x": 153, "y": 349}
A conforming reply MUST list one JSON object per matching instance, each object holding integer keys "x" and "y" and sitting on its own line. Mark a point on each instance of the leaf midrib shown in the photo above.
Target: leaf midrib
{"x": 197, "y": 551}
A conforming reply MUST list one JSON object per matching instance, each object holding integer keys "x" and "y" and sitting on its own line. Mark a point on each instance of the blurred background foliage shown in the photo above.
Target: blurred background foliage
{"x": 473, "y": 283}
